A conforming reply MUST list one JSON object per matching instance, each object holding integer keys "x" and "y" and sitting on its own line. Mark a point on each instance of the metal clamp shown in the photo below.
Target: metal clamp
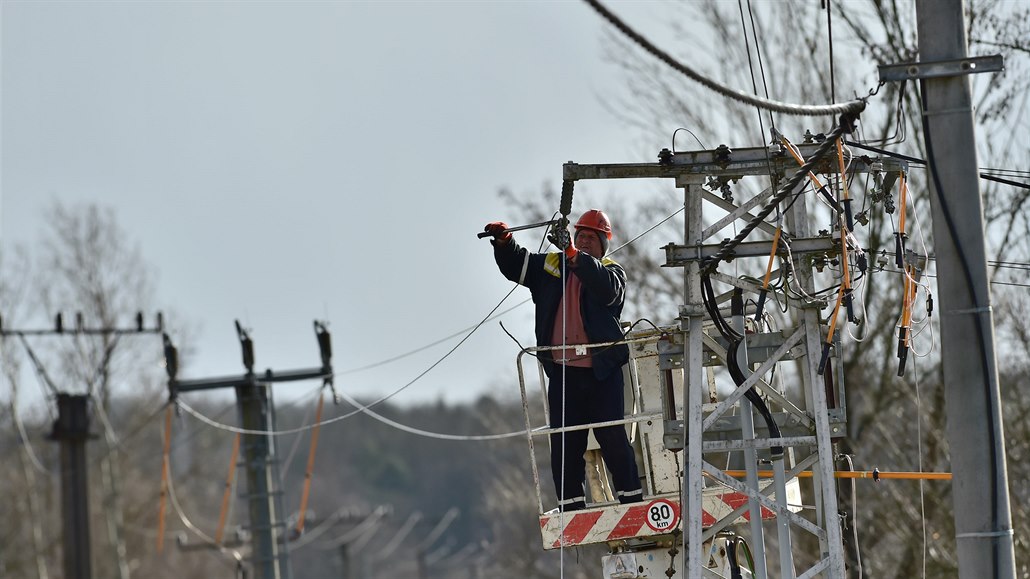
{"x": 941, "y": 68}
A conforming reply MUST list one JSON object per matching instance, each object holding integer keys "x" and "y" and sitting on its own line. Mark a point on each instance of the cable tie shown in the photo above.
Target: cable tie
{"x": 980, "y": 310}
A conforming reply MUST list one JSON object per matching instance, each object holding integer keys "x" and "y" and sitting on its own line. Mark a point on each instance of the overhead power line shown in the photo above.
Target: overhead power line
{"x": 233, "y": 554}
{"x": 431, "y": 344}
{"x": 990, "y": 177}
{"x": 426, "y": 433}
{"x": 365, "y": 408}
{"x": 986, "y": 174}
{"x": 1017, "y": 265}
{"x": 854, "y": 107}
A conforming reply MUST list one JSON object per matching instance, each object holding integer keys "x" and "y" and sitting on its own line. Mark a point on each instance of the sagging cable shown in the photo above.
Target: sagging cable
{"x": 708, "y": 298}
{"x": 743, "y": 546}
{"x": 846, "y": 459}
{"x": 852, "y": 107}
{"x": 223, "y": 515}
{"x": 162, "y": 501}
{"x": 737, "y": 347}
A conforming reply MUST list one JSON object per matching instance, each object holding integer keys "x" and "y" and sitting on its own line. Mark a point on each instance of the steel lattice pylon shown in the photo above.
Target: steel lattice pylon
{"x": 697, "y": 425}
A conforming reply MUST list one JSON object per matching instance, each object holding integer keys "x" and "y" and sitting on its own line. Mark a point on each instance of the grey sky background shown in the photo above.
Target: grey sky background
{"x": 279, "y": 162}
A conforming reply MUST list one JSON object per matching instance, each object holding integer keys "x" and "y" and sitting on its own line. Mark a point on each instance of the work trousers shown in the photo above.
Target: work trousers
{"x": 588, "y": 400}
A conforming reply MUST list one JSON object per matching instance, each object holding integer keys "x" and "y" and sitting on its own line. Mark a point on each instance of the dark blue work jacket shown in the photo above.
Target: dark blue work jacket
{"x": 601, "y": 299}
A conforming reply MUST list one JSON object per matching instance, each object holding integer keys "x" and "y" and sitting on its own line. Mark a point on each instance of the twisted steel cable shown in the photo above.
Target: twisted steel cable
{"x": 854, "y": 106}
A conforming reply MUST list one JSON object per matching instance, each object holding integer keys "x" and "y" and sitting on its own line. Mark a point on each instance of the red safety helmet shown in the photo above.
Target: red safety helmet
{"x": 596, "y": 219}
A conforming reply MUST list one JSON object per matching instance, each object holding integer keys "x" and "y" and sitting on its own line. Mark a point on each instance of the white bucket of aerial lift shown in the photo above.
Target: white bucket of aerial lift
{"x": 652, "y": 518}
{"x": 660, "y": 468}
{"x": 658, "y": 563}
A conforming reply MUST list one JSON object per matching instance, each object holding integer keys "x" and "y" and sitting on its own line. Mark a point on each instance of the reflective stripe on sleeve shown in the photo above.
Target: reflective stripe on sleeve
{"x": 525, "y": 266}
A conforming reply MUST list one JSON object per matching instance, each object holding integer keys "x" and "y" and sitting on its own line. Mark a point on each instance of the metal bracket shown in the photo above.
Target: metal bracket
{"x": 941, "y": 68}
{"x": 673, "y": 437}
{"x": 681, "y": 255}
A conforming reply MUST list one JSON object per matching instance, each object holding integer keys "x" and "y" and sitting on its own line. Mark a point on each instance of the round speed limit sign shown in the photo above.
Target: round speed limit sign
{"x": 662, "y": 515}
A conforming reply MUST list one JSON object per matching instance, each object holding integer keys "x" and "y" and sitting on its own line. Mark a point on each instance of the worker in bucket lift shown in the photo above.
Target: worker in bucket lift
{"x": 588, "y": 381}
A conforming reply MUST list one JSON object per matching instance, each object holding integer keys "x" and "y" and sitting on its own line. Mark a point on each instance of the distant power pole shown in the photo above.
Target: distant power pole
{"x": 983, "y": 522}
{"x": 270, "y": 550}
{"x": 71, "y": 429}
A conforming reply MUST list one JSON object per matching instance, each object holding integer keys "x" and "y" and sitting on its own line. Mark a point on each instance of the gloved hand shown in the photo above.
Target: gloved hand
{"x": 559, "y": 236}
{"x": 571, "y": 252}
{"x": 498, "y": 230}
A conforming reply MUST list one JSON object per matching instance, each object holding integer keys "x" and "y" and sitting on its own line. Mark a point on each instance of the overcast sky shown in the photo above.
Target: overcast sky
{"x": 279, "y": 162}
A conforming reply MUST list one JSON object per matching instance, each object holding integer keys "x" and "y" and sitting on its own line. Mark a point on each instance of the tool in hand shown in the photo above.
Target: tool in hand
{"x": 483, "y": 234}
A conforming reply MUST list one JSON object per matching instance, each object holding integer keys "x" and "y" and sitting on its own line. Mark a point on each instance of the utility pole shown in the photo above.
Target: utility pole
{"x": 420, "y": 549}
{"x": 71, "y": 429}
{"x": 346, "y": 562}
{"x": 350, "y": 544}
{"x": 983, "y": 521}
{"x": 270, "y": 545}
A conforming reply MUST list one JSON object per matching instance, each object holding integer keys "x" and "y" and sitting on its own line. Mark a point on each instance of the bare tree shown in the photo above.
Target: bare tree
{"x": 86, "y": 266}
{"x": 26, "y": 553}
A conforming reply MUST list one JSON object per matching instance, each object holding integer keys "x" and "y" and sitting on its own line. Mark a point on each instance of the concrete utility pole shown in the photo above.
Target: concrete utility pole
{"x": 264, "y": 501}
{"x": 71, "y": 429}
{"x": 983, "y": 522}
{"x": 270, "y": 556}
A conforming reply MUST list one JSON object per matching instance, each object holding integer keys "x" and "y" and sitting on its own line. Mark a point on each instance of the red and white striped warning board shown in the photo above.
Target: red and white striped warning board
{"x": 657, "y": 517}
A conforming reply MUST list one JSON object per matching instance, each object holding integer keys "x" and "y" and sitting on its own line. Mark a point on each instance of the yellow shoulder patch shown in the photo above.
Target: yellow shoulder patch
{"x": 552, "y": 264}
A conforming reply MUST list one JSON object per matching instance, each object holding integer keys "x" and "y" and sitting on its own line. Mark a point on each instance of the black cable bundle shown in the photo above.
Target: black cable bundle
{"x": 731, "y": 558}
{"x": 736, "y": 340}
